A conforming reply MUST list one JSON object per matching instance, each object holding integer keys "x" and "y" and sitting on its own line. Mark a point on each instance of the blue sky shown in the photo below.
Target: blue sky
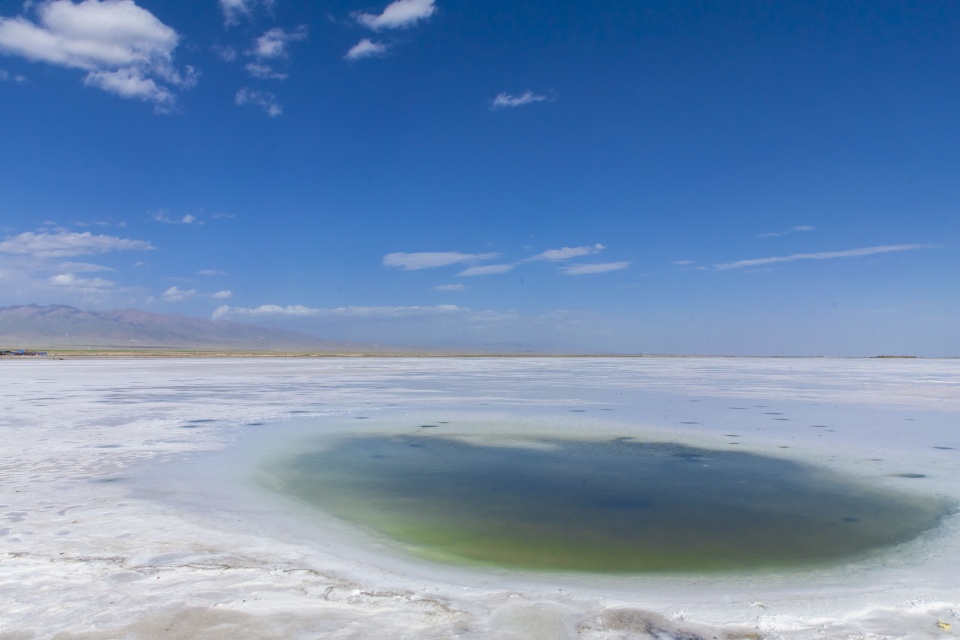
{"x": 658, "y": 177}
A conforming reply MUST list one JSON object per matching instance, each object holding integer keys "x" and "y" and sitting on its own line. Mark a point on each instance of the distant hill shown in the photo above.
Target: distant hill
{"x": 52, "y": 326}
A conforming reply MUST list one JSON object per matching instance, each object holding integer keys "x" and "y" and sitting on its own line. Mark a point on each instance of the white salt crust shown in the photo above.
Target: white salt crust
{"x": 121, "y": 518}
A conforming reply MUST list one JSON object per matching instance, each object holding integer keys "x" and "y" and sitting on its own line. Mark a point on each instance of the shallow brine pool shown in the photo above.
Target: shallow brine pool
{"x": 611, "y": 505}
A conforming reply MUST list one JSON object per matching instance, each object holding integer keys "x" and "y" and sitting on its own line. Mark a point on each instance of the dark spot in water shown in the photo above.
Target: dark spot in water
{"x": 107, "y": 446}
{"x": 442, "y": 422}
{"x": 772, "y": 413}
{"x": 606, "y": 409}
{"x": 944, "y": 448}
{"x": 189, "y": 426}
{"x": 254, "y": 424}
{"x": 428, "y": 426}
{"x": 908, "y": 475}
{"x": 733, "y": 435}
{"x": 819, "y": 426}
{"x": 736, "y": 407}
{"x": 783, "y": 419}
{"x": 106, "y": 480}
{"x": 759, "y": 406}
{"x": 614, "y": 506}
{"x": 733, "y": 443}
{"x": 298, "y": 411}
{"x": 688, "y": 422}
{"x": 783, "y": 446}
{"x": 201, "y": 420}
{"x": 361, "y": 417}
{"x": 578, "y": 410}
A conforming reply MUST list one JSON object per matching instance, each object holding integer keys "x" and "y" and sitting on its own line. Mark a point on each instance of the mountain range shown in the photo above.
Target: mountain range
{"x": 61, "y": 326}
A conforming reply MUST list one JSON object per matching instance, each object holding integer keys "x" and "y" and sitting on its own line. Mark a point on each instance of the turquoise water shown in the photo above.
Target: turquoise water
{"x": 614, "y": 506}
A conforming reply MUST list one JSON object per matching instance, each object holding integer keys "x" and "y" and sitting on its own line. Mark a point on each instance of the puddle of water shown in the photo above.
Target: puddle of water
{"x": 616, "y": 506}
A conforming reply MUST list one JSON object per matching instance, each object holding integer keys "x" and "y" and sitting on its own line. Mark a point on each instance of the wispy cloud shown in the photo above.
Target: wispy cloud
{"x": 366, "y": 48}
{"x": 587, "y": 269}
{"x": 66, "y": 243}
{"x": 274, "y": 42}
{"x": 386, "y": 313}
{"x": 225, "y": 53}
{"x": 124, "y": 49}
{"x": 505, "y": 100}
{"x": 432, "y": 259}
{"x": 779, "y": 234}
{"x": 398, "y": 15}
{"x": 234, "y": 9}
{"x": 223, "y": 295}
{"x": 82, "y": 267}
{"x": 164, "y": 217}
{"x": 487, "y": 270}
{"x": 264, "y": 72}
{"x": 825, "y": 255}
{"x": 71, "y": 281}
{"x": 682, "y": 263}
{"x": 6, "y": 76}
{"x": 175, "y": 294}
{"x": 554, "y": 255}
{"x": 449, "y": 287}
{"x": 263, "y": 99}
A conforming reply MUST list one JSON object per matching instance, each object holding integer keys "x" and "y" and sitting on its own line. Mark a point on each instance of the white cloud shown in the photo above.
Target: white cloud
{"x": 227, "y": 54}
{"x": 371, "y": 313}
{"x": 505, "y": 100}
{"x": 825, "y": 255}
{"x": 82, "y": 267}
{"x": 587, "y": 269}
{"x": 263, "y": 99}
{"x": 82, "y": 284}
{"x": 211, "y": 272}
{"x": 65, "y": 243}
{"x": 487, "y": 270}
{"x": 5, "y": 76}
{"x": 398, "y": 15}
{"x": 223, "y": 295}
{"x": 130, "y": 83}
{"x": 123, "y": 48}
{"x": 429, "y": 260}
{"x": 553, "y": 255}
{"x": 779, "y": 234}
{"x": 175, "y": 294}
{"x": 264, "y": 72}
{"x": 273, "y": 43}
{"x": 161, "y": 216}
{"x": 449, "y": 287}
{"x": 366, "y": 48}
{"x": 234, "y": 9}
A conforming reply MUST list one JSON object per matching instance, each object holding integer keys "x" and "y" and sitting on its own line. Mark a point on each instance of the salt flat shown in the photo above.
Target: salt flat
{"x": 126, "y": 511}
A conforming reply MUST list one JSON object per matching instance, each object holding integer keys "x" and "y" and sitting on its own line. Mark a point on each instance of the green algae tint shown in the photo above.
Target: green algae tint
{"x": 614, "y": 507}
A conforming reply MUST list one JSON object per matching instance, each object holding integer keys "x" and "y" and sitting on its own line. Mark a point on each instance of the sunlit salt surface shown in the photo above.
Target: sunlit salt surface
{"x": 134, "y": 502}
{"x": 613, "y": 506}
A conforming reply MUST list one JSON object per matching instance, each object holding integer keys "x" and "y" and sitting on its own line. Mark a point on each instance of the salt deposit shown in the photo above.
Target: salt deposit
{"x": 128, "y": 507}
